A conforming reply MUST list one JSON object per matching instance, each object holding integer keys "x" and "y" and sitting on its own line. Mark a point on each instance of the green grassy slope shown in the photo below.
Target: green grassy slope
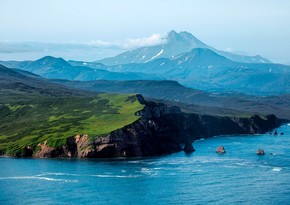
{"x": 54, "y": 119}
{"x": 33, "y": 110}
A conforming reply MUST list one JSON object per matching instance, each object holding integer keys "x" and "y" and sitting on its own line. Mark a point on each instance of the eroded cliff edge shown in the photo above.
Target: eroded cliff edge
{"x": 161, "y": 129}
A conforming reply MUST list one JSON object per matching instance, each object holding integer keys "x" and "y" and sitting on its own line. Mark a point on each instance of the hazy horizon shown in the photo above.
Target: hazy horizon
{"x": 247, "y": 27}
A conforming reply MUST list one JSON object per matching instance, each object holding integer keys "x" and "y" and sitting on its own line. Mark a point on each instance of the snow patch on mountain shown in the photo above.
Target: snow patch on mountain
{"x": 158, "y": 54}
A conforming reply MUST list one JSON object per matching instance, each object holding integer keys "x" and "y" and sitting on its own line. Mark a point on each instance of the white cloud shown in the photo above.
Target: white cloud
{"x": 154, "y": 39}
{"x": 122, "y": 45}
{"x": 100, "y": 43}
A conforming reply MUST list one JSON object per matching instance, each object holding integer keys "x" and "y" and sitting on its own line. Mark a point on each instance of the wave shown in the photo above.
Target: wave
{"x": 115, "y": 176}
{"x": 201, "y": 139}
{"x": 134, "y": 162}
{"x": 56, "y": 174}
{"x": 37, "y": 177}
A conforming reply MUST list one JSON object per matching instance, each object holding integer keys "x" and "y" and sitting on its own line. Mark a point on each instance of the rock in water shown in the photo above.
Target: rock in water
{"x": 220, "y": 150}
{"x": 188, "y": 148}
{"x": 260, "y": 152}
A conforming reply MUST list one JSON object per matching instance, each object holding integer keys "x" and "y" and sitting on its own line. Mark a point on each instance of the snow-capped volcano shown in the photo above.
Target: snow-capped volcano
{"x": 175, "y": 44}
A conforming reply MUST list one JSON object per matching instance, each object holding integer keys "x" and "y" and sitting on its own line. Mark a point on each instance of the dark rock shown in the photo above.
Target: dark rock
{"x": 282, "y": 133}
{"x": 188, "y": 148}
{"x": 28, "y": 152}
{"x": 275, "y": 132}
{"x": 141, "y": 99}
{"x": 220, "y": 150}
{"x": 260, "y": 152}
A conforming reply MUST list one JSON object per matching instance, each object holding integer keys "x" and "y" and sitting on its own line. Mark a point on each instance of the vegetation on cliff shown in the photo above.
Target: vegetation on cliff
{"x": 34, "y": 120}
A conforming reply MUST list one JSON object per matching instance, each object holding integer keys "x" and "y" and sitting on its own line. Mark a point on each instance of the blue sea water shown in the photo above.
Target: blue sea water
{"x": 204, "y": 177}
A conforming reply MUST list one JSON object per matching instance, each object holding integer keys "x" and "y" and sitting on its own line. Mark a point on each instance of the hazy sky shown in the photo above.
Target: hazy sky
{"x": 249, "y": 26}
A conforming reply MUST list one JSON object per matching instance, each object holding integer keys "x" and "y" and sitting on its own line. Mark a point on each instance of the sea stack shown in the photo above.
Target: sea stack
{"x": 220, "y": 150}
{"x": 260, "y": 152}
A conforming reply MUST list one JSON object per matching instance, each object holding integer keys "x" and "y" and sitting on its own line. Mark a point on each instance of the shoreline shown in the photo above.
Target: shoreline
{"x": 149, "y": 157}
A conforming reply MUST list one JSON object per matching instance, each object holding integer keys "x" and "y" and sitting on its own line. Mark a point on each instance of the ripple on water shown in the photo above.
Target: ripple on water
{"x": 38, "y": 178}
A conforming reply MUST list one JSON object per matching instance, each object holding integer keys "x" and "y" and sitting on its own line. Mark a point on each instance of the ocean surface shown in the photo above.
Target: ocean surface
{"x": 204, "y": 177}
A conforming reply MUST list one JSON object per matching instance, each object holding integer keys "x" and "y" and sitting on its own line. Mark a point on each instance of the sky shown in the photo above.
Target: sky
{"x": 242, "y": 26}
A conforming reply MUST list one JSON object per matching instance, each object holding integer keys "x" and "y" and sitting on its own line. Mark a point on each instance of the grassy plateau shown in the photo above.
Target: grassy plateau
{"x": 33, "y": 120}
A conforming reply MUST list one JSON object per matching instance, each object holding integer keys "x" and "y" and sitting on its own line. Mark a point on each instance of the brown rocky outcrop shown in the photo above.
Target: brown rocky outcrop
{"x": 44, "y": 151}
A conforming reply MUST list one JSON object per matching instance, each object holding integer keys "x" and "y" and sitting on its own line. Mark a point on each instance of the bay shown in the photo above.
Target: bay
{"x": 203, "y": 177}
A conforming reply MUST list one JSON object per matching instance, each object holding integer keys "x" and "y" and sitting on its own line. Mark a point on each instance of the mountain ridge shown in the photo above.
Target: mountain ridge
{"x": 191, "y": 100}
{"x": 203, "y": 69}
{"x": 58, "y": 68}
{"x": 176, "y": 44}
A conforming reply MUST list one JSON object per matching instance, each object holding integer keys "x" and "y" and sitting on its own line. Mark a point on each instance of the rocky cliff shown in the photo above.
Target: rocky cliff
{"x": 161, "y": 129}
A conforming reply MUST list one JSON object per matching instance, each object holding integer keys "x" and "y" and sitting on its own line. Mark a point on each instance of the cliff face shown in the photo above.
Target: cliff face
{"x": 160, "y": 130}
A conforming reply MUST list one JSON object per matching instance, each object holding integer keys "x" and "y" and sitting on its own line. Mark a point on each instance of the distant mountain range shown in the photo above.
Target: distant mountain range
{"x": 204, "y": 69}
{"x": 15, "y": 83}
{"x": 176, "y": 44}
{"x": 200, "y": 68}
{"x": 183, "y": 58}
{"x": 58, "y": 68}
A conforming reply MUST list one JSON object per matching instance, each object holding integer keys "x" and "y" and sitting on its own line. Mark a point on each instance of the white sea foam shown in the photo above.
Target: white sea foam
{"x": 277, "y": 169}
{"x": 148, "y": 172}
{"x": 240, "y": 163}
{"x": 57, "y": 174}
{"x": 115, "y": 176}
{"x": 133, "y": 162}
